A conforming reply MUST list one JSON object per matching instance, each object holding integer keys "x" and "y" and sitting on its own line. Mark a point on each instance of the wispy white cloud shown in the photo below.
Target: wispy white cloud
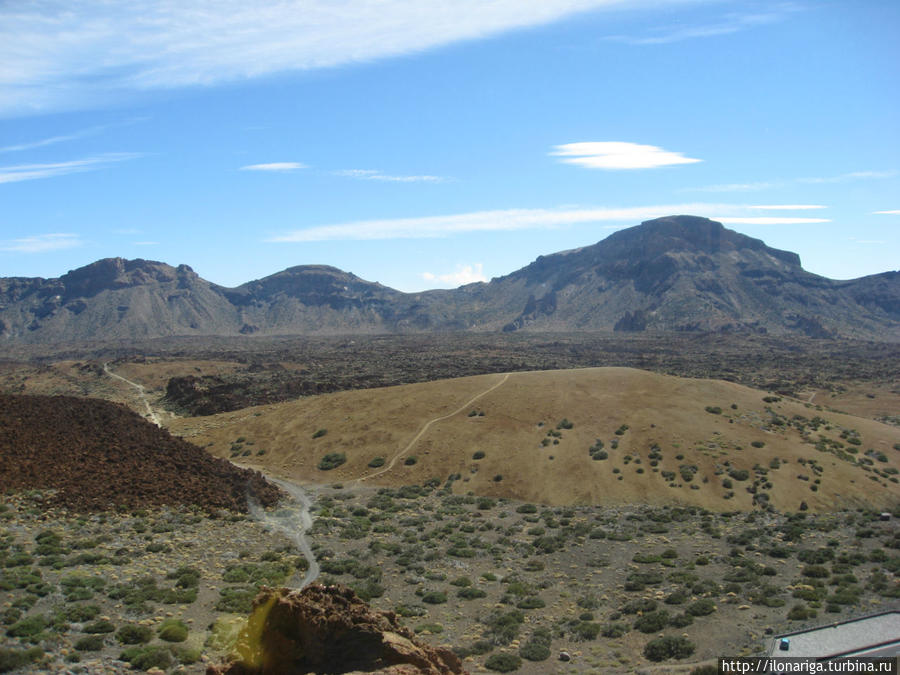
{"x": 787, "y": 207}
{"x": 618, "y": 155}
{"x": 274, "y": 166}
{"x": 41, "y": 243}
{"x": 374, "y": 174}
{"x": 892, "y": 212}
{"x": 63, "y": 138}
{"x": 853, "y": 175}
{"x": 729, "y": 24}
{"x": 146, "y": 243}
{"x": 868, "y": 241}
{"x": 521, "y": 219}
{"x": 15, "y": 174}
{"x": 811, "y": 180}
{"x": 56, "y": 54}
{"x": 734, "y": 187}
{"x": 464, "y": 274}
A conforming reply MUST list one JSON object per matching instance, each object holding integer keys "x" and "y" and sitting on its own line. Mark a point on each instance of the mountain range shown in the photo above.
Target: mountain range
{"x": 678, "y": 273}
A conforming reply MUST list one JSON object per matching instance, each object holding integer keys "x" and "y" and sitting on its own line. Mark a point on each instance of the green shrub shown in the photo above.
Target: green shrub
{"x": 503, "y": 662}
{"x": 615, "y": 630}
{"x": 653, "y": 622}
{"x": 531, "y": 602}
{"x": 186, "y": 654}
{"x": 435, "y": 597}
{"x": 173, "y": 630}
{"x": 237, "y": 600}
{"x": 533, "y": 651}
{"x": 145, "y": 658}
{"x": 503, "y": 627}
{"x": 585, "y": 630}
{"x": 91, "y": 643}
{"x": 319, "y": 433}
{"x": 100, "y": 626}
{"x": 478, "y": 454}
{"x": 28, "y": 628}
{"x": 10, "y": 659}
{"x": 470, "y": 593}
{"x": 537, "y": 648}
{"x": 714, "y": 409}
{"x": 668, "y": 647}
{"x": 376, "y": 462}
{"x": 332, "y": 461}
{"x": 409, "y": 461}
{"x": 701, "y": 607}
{"x": 800, "y": 612}
{"x": 134, "y": 634}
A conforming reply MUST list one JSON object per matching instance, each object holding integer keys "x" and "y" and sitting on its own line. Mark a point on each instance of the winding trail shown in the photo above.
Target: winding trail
{"x": 427, "y": 426}
{"x": 142, "y": 393}
{"x": 292, "y": 520}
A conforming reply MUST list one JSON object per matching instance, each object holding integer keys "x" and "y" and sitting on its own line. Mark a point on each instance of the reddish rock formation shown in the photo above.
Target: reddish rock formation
{"x": 100, "y": 455}
{"x": 328, "y": 630}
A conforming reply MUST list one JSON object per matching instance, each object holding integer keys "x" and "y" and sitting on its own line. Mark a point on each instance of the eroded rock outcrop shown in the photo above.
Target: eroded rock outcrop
{"x": 329, "y": 630}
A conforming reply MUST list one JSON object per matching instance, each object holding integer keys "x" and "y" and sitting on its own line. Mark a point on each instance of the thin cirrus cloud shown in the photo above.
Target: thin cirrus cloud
{"x": 275, "y": 167}
{"x": 41, "y": 243}
{"x": 787, "y": 207}
{"x": 22, "y": 172}
{"x": 809, "y": 180}
{"x": 58, "y": 55}
{"x": 613, "y": 155}
{"x": 892, "y": 212}
{"x": 374, "y": 174}
{"x": 522, "y": 219}
{"x": 464, "y": 274}
{"x": 730, "y": 23}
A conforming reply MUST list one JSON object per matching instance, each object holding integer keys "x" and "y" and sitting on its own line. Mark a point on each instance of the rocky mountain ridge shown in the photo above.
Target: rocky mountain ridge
{"x": 679, "y": 273}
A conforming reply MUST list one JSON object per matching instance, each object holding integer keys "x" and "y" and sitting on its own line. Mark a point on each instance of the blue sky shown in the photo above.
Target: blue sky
{"x": 431, "y": 143}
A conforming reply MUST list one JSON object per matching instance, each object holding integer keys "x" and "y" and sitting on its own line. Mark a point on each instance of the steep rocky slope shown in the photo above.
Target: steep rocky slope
{"x": 99, "y": 455}
{"x": 680, "y": 273}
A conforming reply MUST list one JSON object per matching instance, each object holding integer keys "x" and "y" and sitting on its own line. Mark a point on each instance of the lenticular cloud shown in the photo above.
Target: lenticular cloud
{"x": 618, "y": 155}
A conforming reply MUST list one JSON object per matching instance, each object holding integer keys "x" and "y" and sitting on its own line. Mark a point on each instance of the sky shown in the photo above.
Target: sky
{"x": 432, "y": 143}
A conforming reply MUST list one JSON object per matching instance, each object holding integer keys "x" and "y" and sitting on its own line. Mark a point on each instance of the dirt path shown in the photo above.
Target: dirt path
{"x": 427, "y": 426}
{"x": 292, "y": 520}
{"x": 142, "y": 394}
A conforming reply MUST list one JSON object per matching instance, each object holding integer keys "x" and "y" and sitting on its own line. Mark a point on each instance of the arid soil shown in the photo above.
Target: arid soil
{"x": 584, "y": 436}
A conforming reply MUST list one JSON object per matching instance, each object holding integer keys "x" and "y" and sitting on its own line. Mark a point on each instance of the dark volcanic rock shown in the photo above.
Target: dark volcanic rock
{"x": 329, "y": 630}
{"x": 100, "y": 455}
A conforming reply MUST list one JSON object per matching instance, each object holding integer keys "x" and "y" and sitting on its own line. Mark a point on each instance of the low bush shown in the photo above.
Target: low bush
{"x": 332, "y": 461}
{"x": 173, "y": 630}
{"x": 503, "y": 662}
{"x": 134, "y": 634}
{"x": 669, "y": 647}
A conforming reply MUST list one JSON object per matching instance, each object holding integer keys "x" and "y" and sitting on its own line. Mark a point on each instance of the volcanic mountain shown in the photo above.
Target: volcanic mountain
{"x": 679, "y": 273}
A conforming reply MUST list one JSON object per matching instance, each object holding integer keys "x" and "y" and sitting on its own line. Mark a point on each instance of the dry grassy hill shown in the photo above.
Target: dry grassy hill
{"x": 716, "y": 444}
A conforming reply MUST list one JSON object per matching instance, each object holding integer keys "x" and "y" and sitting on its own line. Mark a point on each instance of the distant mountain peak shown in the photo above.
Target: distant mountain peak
{"x": 677, "y": 273}
{"x": 696, "y": 233}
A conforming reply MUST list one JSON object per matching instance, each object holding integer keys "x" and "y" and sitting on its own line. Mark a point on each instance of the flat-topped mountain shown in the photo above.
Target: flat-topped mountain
{"x": 679, "y": 273}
